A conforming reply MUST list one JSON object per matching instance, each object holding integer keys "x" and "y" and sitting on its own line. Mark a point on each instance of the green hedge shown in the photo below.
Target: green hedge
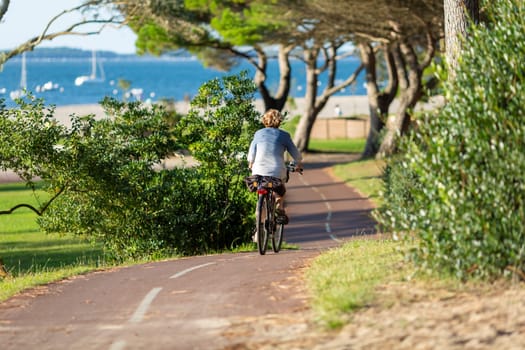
{"x": 460, "y": 185}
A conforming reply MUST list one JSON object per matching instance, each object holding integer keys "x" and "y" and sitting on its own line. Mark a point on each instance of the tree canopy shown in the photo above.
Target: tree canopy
{"x": 221, "y": 32}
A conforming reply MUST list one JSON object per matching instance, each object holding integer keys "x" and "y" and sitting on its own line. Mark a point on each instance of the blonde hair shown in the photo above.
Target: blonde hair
{"x": 272, "y": 118}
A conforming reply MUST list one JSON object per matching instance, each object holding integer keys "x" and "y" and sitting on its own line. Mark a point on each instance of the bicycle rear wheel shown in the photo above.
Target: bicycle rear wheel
{"x": 262, "y": 224}
{"x": 277, "y": 237}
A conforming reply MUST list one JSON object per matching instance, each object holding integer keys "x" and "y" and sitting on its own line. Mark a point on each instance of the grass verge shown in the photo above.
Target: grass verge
{"x": 363, "y": 175}
{"x": 345, "y": 279}
{"x": 375, "y": 272}
{"x": 337, "y": 145}
{"x": 32, "y": 257}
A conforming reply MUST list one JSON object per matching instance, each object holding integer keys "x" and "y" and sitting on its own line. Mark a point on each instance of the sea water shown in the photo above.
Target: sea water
{"x": 149, "y": 78}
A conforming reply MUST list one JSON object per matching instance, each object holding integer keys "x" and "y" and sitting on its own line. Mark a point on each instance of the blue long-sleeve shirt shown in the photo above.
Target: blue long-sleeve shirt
{"x": 267, "y": 152}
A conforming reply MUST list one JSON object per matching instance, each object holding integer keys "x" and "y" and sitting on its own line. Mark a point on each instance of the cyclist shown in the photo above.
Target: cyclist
{"x": 266, "y": 155}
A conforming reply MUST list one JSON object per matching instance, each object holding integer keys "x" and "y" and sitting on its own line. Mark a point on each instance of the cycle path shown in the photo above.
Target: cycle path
{"x": 204, "y": 302}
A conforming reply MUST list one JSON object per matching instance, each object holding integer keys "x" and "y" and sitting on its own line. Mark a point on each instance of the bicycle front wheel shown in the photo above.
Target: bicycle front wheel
{"x": 262, "y": 224}
{"x": 277, "y": 238}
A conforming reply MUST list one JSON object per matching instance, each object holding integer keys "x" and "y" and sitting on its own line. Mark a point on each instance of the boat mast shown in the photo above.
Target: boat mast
{"x": 93, "y": 64}
{"x": 23, "y": 75}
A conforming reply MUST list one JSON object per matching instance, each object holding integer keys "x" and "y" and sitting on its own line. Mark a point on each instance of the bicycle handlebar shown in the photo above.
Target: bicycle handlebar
{"x": 292, "y": 167}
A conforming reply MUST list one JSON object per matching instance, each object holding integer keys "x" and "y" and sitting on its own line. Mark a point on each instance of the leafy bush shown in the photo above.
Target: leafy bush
{"x": 102, "y": 177}
{"x": 399, "y": 185}
{"x": 28, "y": 139}
{"x": 104, "y": 170}
{"x": 462, "y": 188}
{"x": 217, "y": 131}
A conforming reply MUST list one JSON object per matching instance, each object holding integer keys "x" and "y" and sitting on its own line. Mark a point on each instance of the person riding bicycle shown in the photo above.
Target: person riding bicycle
{"x": 266, "y": 154}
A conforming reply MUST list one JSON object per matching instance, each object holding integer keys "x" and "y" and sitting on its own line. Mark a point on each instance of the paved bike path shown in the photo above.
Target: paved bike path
{"x": 206, "y": 302}
{"x": 324, "y": 211}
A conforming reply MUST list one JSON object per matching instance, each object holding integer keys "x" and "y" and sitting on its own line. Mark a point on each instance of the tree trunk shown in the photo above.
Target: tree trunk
{"x": 285, "y": 73}
{"x": 313, "y": 103}
{"x": 409, "y": 72}
{"x": 304, "y": 128}
{"x": 458, "y": 14}
{"x": 378, "y": 102}
{"x": 3, "y": 271}
{"x": 397, "y": 124}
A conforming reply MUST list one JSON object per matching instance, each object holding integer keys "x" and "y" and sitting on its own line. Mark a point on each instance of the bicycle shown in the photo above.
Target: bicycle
{"x": 267, "y": 222}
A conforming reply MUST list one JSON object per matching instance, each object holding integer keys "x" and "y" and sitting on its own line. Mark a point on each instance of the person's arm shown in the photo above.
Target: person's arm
{"x": 294, "y": 152}
{"x": 251, "y": 154}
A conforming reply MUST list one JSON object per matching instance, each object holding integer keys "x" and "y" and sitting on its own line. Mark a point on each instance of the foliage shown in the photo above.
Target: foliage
{"x": 399, "y": 184}
{"x": 217, "y": 131}
{"x": 28, "y": 139}
{"x": 248, "y": 22}
{"x": 463, "y": 193}
{"x": 101, "y": 171}
{"x": 209, "y": 29}
{"x": 290, "y": 124}
{"x": 102, "y": 175}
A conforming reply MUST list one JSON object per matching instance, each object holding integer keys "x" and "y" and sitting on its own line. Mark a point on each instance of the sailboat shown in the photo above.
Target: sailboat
{"x": 92, "y": 78}
{"x": 20, "y": 92}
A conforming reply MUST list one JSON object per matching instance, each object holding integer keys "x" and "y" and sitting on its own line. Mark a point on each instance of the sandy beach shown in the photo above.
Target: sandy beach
{"x": 349, "y": 105}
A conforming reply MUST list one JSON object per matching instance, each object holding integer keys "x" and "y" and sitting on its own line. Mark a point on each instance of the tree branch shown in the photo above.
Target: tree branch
{"x": 351, "y": 79}
{"x": 40, "y": 211}
{"x": 4, "y": 5}
{"x": 71, "y": 30}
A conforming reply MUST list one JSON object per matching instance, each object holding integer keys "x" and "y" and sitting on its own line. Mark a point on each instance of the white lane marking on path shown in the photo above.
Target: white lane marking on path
{"x": 334, "y": 237}
{"x": 304, "y": 181}
{"x": 144, "y": 305}
{"x": 110, "y": 327}
{"x": 328, "y": 228}
{"x": 138, "y": 316}
{"x": 183, "y": 272}
{"x": 118, "y": 345}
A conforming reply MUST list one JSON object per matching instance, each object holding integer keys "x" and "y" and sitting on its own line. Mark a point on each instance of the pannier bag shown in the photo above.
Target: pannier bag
{"x": 253, "y": 181}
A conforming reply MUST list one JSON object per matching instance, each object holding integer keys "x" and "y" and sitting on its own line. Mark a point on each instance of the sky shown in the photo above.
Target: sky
{"x": 27, "y": 18}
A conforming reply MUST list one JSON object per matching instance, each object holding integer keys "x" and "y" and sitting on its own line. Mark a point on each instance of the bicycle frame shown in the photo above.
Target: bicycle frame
{"x": 267, "y": 225}
{"x": 265, "y": 214}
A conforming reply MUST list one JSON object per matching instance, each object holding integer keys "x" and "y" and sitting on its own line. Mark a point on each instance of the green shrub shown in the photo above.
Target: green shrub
{"x": 102, "y": 179}
{"x": 217, "y": 131}
{"x": 399, "y": 184}
{"x": 104, "y": 172}
{"x": 462, "y": 188}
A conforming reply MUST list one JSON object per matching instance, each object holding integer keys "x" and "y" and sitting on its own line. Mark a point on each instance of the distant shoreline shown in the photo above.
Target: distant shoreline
{"x": 349, "y": 105}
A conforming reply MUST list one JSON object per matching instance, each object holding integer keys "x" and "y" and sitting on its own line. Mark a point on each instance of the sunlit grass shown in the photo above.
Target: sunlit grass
{"x": 337, "y": 145}
{"x": 32, "y": 257}
{"x": 363, "y": 175}
{"x": 344, "y": 279}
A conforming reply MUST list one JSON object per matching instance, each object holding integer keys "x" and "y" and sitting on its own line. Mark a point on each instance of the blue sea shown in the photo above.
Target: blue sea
{"x": 150, "y": 78}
